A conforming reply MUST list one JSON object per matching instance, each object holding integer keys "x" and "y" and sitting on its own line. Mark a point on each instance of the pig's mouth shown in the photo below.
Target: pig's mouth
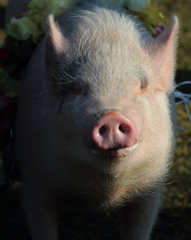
{"x": 114, "y": 152}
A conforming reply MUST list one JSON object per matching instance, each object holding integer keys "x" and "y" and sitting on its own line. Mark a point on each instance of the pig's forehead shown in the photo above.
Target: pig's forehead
{"x": 98, "y": 42}
{"x": 111, "y": 44}
{"x": 122, "y": 55}
{"x": 104, "y": 65}
{"x": 122, "y": 52}
{"x": 115, "y": 65}
{"x": 103, "y": 26}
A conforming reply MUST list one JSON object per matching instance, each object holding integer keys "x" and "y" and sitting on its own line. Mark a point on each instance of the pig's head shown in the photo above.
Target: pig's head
{"x": 107, "y": 95}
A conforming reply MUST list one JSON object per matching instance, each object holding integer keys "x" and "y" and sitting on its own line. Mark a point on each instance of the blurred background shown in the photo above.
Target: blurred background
{"x": 174, "y": 221}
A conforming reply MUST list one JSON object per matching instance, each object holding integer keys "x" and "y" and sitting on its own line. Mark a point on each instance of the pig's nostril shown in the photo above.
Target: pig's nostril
{"x": 123, "y": 128}
{"x": 103, "y": 130}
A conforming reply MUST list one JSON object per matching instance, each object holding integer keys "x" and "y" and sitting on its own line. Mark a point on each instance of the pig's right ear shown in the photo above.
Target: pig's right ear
{"x": 162, "y": 51}
{"x": 55, "y": 50}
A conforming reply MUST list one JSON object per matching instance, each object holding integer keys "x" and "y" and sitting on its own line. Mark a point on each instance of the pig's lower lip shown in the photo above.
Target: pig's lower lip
{"x": 115, "y": 153}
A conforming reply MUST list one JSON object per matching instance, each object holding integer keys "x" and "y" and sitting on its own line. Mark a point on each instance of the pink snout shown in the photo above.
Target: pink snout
{"x": 113, "y": 131}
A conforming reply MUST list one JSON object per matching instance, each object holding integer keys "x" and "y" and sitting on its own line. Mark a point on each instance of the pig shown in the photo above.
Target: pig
{"x": 95, "y": 122}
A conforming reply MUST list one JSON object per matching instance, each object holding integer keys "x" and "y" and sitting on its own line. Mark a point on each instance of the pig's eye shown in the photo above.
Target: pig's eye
{"x": 144, "y": 84}
{"x": 67, "y": 88}
{"x": 72, "y": 89}
{"x": 80, "y": 89}
{"x": 77, "y": 89}
{"x": 141, "y": 74}
{"x": 67, "y": 74}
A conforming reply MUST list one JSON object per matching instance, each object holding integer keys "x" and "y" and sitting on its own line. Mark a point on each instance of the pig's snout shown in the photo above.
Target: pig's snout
{"x": 114, "y": 133}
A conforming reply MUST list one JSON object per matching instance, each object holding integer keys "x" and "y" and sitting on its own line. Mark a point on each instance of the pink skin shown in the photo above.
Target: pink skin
{"x": 114, "y": 132}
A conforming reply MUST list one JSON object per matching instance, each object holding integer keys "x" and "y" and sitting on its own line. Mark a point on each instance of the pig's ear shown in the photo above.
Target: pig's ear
{"x": 56, "y": 47}
{"x": 55, "y": 39}
{"x": 163, "y": 50}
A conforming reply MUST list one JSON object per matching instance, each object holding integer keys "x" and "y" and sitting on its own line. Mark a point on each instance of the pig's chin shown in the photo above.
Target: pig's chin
{"x": 115, "y": 153}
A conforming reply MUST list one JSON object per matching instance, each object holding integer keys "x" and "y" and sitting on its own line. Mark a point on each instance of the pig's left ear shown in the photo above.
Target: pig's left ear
{"x": 163, "y": 50}
{"x": 55, "y": 51}
{"x": 55, "y": 39}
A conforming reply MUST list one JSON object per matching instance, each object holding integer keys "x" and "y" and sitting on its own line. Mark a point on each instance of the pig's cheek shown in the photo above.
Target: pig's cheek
{"x": 136, "y": 118}
{"x": 139, "y": 128}
{"x": 71, "y": 120}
